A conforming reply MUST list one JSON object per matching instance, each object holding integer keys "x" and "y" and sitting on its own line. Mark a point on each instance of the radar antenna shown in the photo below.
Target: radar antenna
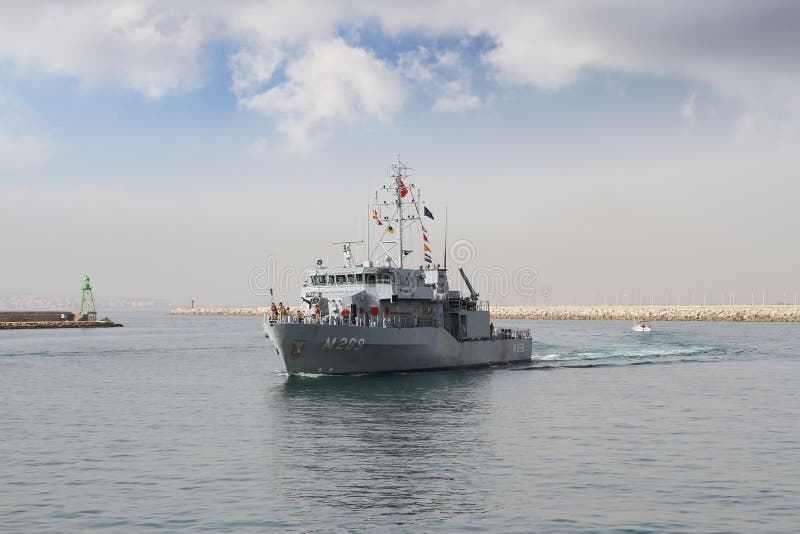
{"x": 347, "y": 251}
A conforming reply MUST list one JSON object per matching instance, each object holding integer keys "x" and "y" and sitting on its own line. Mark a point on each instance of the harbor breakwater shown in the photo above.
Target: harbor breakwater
{"x": 651, "y": 313}
{"x": 221, "y": 311}
{"x": 601, "y": 313}
{"x": 31, "y": 325}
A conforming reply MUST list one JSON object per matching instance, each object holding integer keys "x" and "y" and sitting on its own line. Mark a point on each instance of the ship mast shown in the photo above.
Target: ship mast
{"x": 398, "y": 180}
{"x": 396, "y": 191}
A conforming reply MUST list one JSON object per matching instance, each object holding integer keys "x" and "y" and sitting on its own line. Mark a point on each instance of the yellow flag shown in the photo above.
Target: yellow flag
{"x": 427, "y": 248}
{"x": 390, "y": 229}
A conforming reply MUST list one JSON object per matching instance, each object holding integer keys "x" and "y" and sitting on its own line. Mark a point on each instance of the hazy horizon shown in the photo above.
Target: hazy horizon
{"x": 600, "y": 149}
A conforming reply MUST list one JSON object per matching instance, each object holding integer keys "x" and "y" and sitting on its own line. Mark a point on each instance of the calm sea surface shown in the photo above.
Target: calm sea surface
{"x": 189, "y": 424}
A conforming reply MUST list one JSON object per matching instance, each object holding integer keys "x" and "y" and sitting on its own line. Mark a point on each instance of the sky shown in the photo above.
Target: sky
{"x": 602, "y": 151}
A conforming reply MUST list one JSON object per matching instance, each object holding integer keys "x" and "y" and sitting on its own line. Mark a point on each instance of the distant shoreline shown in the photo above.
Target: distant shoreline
{"x": 763, "y": 314}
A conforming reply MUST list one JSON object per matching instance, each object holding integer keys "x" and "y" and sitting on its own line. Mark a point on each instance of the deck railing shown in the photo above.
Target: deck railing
{"x": 391, "y": 321}
{"x": 511, "y": 333}
{"x": 459, "y": 304}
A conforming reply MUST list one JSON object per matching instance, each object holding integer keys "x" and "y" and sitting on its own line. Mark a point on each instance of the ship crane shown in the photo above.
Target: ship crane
{"x": 472, "y": 293}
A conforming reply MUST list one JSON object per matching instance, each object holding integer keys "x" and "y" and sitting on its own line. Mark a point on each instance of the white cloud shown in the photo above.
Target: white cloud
{"x": 767, "y": 131}
{"x": 153, "y": 48}
{"x": 20, "y": 146}
{"x": 442, "y": 72}
{"x": 329, "y": 82}
{"x": 416, "y": 65}
{"x": 456, "y": 99}
{"x": 743, "y": 51}
{"x": 252, "y": 70}
{"x": 18, "y": 151}
{"x": 13, "y": 111}
{"x": 688, "y": 107}
{"x": 259, "y": 146}
{"x": 533, "y": 50}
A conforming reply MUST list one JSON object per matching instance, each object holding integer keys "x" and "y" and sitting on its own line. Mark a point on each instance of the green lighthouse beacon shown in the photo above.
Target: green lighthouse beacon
{"x": 88, "y": 312}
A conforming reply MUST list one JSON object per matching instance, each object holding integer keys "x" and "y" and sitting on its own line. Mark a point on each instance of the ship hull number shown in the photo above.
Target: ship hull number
{"x": 343, "y": 343}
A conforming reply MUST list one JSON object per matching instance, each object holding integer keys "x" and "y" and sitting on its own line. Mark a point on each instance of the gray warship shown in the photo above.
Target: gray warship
{"x": 382, "y": 316}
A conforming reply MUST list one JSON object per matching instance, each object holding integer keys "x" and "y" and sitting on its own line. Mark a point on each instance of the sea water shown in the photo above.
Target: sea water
{"x": 191, "y": 423}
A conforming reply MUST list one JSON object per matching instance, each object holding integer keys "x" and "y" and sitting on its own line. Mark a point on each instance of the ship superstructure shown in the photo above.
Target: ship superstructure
{"x": 380, "y": 315}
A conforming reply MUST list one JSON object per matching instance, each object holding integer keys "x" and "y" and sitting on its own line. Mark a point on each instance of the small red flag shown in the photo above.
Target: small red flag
{"x": 403, "y": 189}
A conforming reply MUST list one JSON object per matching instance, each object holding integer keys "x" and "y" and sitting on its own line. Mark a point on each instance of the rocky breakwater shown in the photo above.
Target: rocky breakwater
{"x": 651, "y": 313}
{"x": 224, "y": 312}
{"x": 31, "y": 325}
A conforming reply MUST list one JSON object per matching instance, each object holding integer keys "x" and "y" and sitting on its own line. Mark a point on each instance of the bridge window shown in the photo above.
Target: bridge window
{"x": 371, "y": 279}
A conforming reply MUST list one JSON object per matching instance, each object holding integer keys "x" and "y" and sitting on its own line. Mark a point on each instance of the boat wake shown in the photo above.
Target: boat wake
{"x": 285, "y": 373}
{"x": 624, "y": 352}
{"x": 653, "y": 355}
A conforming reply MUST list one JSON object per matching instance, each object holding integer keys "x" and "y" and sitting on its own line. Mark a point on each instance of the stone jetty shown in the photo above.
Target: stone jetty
{"x": 602, "y": 313}
{"x": 651, "y": 313}
{"x": 30, "y": 325}
{"x": 222, "y": 311}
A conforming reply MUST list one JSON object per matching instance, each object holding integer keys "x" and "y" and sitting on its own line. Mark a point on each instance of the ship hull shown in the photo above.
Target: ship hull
{"x": 336, "y": 349}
